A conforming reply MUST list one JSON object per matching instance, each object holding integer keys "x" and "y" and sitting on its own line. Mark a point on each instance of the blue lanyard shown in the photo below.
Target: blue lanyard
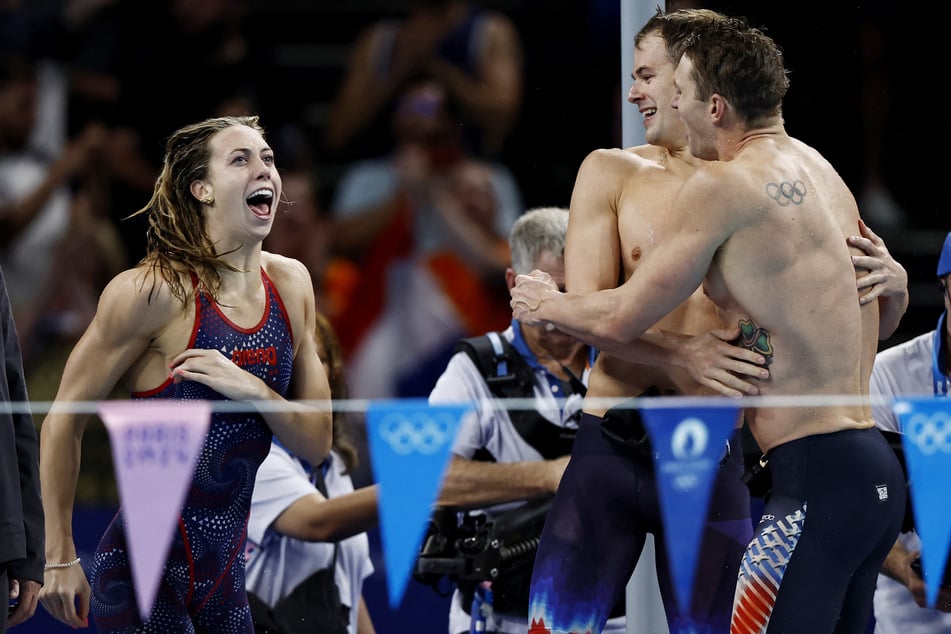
{"x": 937, "y": 358}
{"x": 518, "y": 342}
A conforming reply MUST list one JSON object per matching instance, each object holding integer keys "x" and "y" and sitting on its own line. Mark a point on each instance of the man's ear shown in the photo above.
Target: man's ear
{"x": 718, "y": 108}
{"x": 510, "y": 278}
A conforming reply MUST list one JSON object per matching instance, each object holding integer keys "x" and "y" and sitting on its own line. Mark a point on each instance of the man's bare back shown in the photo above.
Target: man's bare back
{"x": 768, "y": 225}
{"x": 787, "y": 264}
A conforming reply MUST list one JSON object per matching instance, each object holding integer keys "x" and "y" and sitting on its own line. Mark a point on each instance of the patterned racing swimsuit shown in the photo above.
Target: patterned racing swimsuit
{"x": 835, "y": 510}
{"x": 202, "y": 587}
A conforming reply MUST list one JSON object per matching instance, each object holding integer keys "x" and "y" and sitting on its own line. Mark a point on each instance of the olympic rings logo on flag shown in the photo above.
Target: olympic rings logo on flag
{"x": 931, "y": 434}
{"x": 416, "y": 432}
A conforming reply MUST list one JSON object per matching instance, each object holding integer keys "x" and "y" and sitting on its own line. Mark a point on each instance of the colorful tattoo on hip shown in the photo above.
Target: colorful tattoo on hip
{"x": 756, "y": 339}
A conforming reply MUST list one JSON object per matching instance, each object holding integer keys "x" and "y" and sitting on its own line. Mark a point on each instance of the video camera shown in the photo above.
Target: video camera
{"x": 468, "y": 548}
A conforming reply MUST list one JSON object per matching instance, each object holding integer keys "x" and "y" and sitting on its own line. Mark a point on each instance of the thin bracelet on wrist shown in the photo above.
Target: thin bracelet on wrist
{"x": 64, "y": 565}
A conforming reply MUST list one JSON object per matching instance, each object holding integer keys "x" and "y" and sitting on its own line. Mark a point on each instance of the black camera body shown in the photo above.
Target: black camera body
{"x": 468, "y": 549}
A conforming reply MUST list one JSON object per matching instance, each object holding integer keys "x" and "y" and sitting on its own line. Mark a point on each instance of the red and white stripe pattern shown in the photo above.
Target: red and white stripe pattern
{"x": 762, "y": 569}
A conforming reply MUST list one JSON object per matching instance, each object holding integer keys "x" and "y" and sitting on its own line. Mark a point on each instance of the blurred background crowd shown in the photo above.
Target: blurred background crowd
{"x": 410, "y": 136}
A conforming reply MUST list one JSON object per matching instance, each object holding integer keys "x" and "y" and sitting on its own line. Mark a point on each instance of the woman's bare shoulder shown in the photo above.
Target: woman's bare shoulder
{"x": 139, "y": 296}
{"x": 282, "y": 266}
{"x": 290, "y": 276}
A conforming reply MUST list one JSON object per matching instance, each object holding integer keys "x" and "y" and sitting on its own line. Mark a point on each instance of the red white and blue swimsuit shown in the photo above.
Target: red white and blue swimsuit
{"x": 202, "y": 587}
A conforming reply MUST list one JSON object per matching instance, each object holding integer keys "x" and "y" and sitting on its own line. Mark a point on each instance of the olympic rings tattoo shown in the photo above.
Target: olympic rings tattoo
{"x": 785, "y": 193}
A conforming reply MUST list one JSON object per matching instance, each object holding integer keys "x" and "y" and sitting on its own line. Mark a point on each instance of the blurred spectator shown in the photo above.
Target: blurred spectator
{"x": 56, "y": 250}
{"x": 146, "y": 69}
{"x": 427, "y": 226}
{"x": 56, "y": 242}
{"x": 303, "y": 230}
{"x": 474, "y": 52}
{"x": 300, "y": 229}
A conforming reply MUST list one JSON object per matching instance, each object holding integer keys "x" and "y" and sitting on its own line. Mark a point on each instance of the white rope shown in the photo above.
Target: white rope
{"x": 362, "y": 405}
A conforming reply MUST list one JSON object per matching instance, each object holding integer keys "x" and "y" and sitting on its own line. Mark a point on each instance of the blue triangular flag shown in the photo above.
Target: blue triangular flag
{"x": 409, "y": 443}
{"x": 688, "y": 443}
{"x": 926, "y": 440}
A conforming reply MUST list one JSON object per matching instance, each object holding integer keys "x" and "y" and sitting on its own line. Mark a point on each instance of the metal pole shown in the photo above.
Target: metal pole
{"x": 645, "y": 609}
{"x": 634, "y": 14}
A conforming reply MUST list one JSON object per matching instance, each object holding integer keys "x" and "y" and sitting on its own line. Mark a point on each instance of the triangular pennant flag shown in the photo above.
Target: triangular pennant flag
{"x": 688, "y": 443}
{"x": 409, "y": 443}
{"x": 154, "y": 448}
{"x": 926, "y": 440}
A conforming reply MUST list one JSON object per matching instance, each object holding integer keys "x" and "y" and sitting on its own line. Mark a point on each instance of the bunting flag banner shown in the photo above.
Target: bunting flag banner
{"x": 154, "y": 448}
{"x": 926, "y": 441}
{"x": 409, "y": 443}
{"x": 688, "y": 443}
